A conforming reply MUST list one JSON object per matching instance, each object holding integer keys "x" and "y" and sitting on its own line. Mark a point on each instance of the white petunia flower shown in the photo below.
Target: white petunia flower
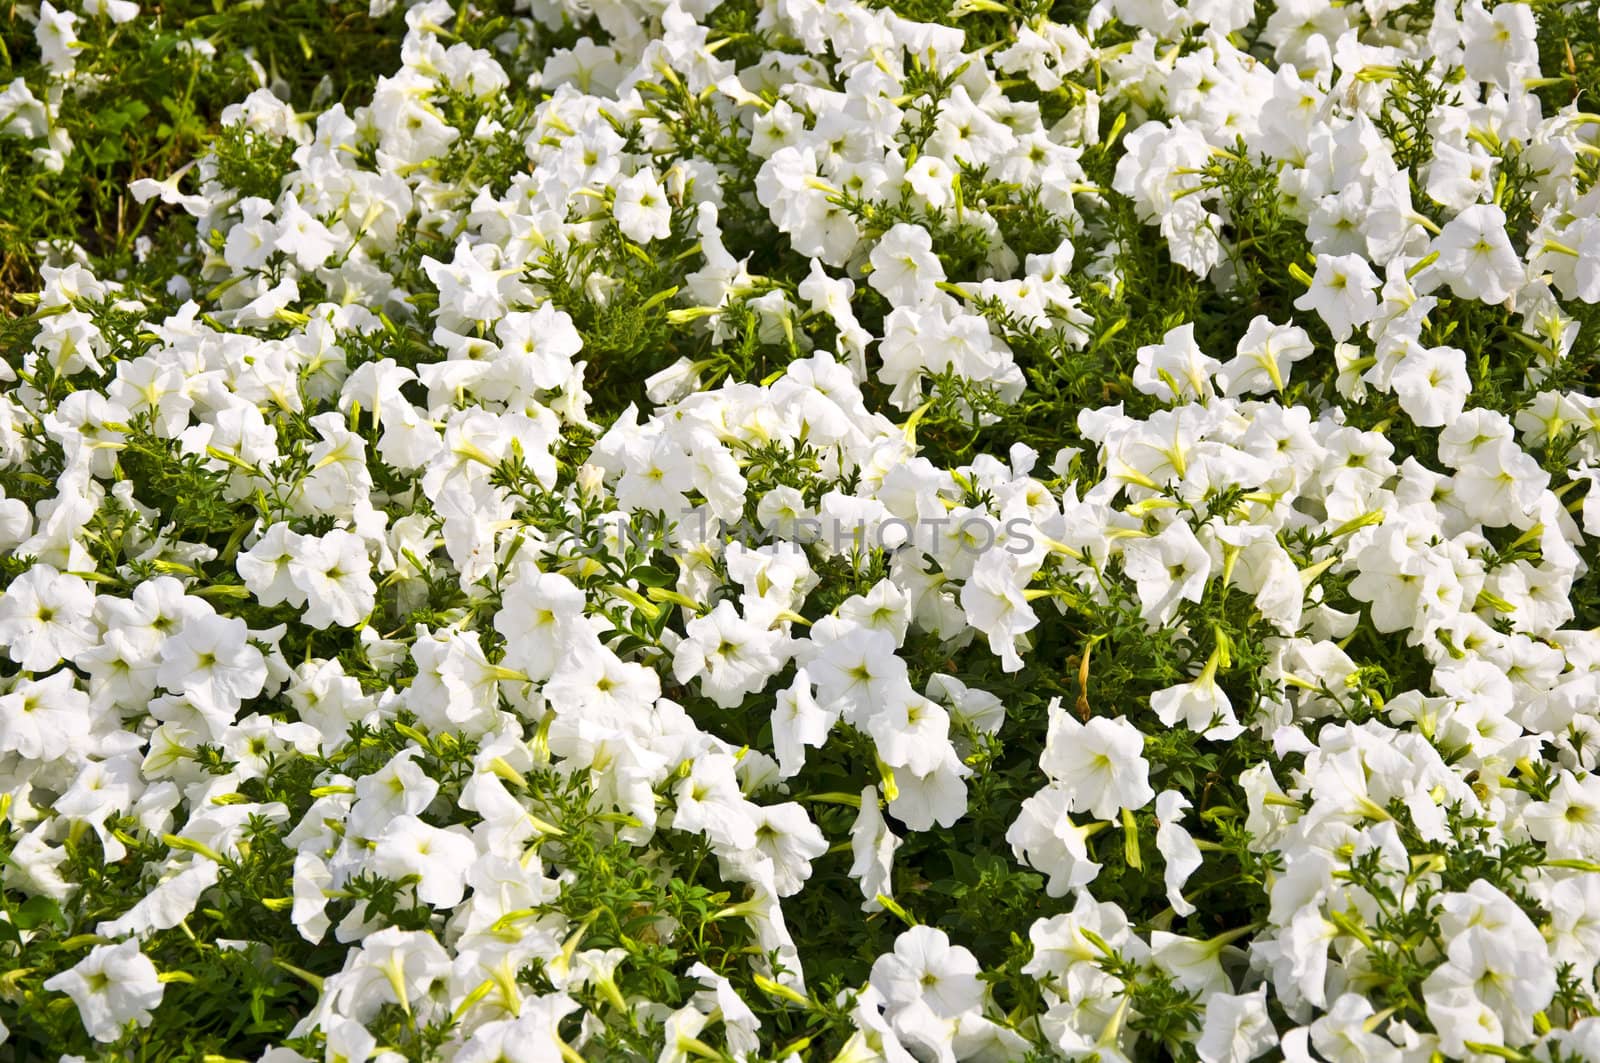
{"x": 334, "y": 575}
{"x": 641, "y": 208}
{"x": 1100, "y": 763}
{"x": 112, "y": 986}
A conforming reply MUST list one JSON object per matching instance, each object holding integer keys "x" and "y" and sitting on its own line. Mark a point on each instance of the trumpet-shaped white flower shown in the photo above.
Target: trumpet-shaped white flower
{"x": 45, "y": 616}
{"x": 1341, "y": 293}
{"x": 112, "y": 986}
{"x": 212, "y": 661}
{"x": 1100, "y": 763}
{"x": 641, "y": 209}
{"x": 334, "y": 574}
{"x": 439, "y": 857}
{"x": 925, "y": 968}
{"x": 730, "y": 656}
{"x": 904, "y": 267}
{"x": 1476, "y": 257}
{"x": 1167, "y": 568}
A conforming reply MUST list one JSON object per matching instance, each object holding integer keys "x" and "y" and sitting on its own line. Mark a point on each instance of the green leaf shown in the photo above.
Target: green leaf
{"x": 36, "y": 911}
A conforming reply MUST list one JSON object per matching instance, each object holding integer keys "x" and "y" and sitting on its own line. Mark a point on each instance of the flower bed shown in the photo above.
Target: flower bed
{"x": 779, "y": 529}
